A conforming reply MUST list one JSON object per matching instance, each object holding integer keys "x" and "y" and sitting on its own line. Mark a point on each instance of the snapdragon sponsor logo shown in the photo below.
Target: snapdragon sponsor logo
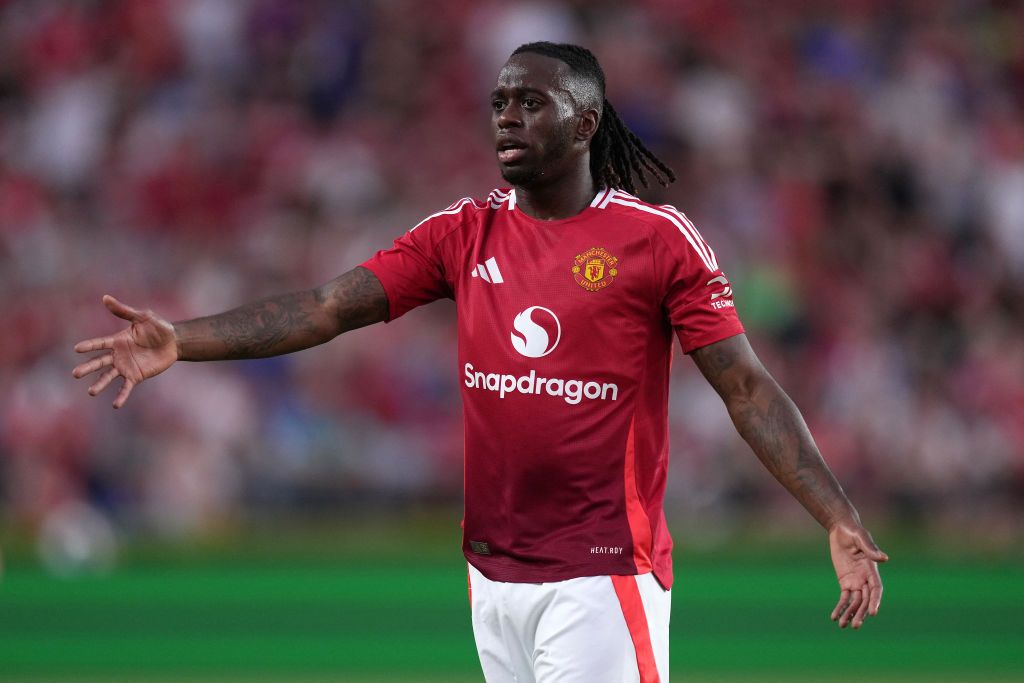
{"x": 530, "y": 338}
{"x": 536, "y": 333}
{"x": 571, "y": 390}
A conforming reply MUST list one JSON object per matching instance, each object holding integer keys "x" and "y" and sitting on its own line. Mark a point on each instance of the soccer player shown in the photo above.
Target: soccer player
{"x": 569, "y": 291}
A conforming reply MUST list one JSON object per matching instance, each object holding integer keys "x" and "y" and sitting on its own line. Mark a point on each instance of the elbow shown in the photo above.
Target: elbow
{"x": 749, "y": 386}
{"x": 748, "y": 394}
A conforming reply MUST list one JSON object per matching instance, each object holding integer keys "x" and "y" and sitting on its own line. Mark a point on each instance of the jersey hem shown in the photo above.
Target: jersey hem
{"x": 519, "y": 573}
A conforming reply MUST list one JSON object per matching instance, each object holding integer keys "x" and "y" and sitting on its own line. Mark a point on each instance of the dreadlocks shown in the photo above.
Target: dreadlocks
{"x": 616, "y": 153}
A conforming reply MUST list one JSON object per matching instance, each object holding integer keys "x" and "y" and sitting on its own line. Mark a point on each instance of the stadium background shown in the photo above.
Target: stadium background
{"x": 858, "y": 167}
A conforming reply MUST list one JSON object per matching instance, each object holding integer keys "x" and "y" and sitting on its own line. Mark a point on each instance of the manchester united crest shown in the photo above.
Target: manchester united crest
{"x": 594, "y": 269}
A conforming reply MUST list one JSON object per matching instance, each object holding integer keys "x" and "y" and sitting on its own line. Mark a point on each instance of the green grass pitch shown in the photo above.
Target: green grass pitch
{"x": 341, "y": 618}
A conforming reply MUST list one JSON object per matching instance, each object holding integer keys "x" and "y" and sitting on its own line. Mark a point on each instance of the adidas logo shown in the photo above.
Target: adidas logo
{"x": 488, "y": 271}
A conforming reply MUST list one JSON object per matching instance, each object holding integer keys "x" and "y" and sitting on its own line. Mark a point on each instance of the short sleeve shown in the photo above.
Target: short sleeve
{"x": 698, "y": 298}
{"x": 413, "y": 271}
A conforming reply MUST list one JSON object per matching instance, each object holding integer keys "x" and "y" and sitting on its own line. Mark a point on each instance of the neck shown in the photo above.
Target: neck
{"x": 562, "y": 198}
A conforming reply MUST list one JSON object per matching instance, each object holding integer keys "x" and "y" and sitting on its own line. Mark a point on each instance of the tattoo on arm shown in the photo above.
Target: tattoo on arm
{"x": 714, "y": 360}
{"x": 285, "y": 323}
{"x": 771, "y": 423}
{"x": 259, "y": 329}
{"x": 357, "y": 297}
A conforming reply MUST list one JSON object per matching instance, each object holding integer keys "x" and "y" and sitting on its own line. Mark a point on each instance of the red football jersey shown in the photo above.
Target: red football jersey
{"x": 565, "y": 344}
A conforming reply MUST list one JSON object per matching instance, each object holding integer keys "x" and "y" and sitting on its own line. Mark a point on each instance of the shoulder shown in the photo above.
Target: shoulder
{"x": 463, "y": 212}
{"x": 659, "y": 217}
{"x": 668, "y": 226}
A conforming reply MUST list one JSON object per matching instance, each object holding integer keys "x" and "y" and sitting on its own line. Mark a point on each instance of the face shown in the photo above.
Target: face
{"x": 537, "y": 121}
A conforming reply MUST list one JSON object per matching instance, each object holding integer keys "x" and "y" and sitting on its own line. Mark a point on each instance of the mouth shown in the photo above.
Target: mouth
{"x": 511, "y": 150}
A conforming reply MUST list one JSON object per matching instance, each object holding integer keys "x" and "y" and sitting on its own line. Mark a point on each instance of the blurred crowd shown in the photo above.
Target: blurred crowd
{"x": 858, "y": 167}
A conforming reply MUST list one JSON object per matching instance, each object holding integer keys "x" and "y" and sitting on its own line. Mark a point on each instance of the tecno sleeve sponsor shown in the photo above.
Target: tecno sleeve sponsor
{"x": 707, "y": 317}
{"x": 698, "y": 296}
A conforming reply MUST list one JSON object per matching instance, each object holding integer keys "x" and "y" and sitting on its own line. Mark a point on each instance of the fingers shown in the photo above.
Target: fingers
{"x": 851, "y": 608}
{"x": 868, "y": 547}
{"x": 862, "y": 609}
{"x": 855, "y": 606}
{"x": 844, "y": 599}
{"x": 105, "y": 379}
{"x": 875, "y": 593}
{"x": 97, "y": 344}
{"x": 874, "y": 553}
{"x": 126, "y": 390}
{"x": 121, "y": 310}
{"x": 93, "y": 365}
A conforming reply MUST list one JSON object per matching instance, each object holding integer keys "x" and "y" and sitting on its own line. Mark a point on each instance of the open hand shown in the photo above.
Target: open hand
{"x": 855, "y": 557}
{"x": 143, "y": 350}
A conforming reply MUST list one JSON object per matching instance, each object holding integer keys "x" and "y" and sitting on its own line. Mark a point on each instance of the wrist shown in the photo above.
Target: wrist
{"x": 847, "y": 517}
{"x": 177, "y": 329}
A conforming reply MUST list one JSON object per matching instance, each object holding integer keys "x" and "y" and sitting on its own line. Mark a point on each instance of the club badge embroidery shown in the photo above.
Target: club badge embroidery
{"x": 594, "y": 269}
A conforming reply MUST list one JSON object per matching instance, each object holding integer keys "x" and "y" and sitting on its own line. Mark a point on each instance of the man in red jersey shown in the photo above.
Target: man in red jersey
{"x": 569, "y": 292}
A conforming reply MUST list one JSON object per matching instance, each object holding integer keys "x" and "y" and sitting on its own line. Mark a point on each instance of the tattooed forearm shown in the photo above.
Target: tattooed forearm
{"x": 357, "y": 299}
{"x": 285, "y": 323}
{"x": 280, "y": 324}
{"x": 771, "y": 423}
{"x": 266, "y": 327}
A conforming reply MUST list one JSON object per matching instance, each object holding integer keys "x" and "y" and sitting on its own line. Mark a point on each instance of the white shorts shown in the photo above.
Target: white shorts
{"x": 594, "y": 629}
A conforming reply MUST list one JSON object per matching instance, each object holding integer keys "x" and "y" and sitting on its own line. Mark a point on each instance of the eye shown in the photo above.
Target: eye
{"x": 497, "y": 105}
{"x": 531, "y": 103}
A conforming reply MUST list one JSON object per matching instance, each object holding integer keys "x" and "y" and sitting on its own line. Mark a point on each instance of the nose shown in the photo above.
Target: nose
{"x": 508, "y": 117}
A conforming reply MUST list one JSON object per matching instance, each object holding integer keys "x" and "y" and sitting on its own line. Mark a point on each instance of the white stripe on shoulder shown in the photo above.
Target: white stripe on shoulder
{"x": 611, "y": 194}
{"x": 453, "y": 209}
{"x": 598, "y": 197}
{"x": 628, "y": 200}
{"x": 693, "y": 230}
{"x": 495, "y": 200}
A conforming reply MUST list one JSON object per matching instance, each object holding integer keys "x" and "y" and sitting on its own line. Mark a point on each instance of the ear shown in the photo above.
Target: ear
{"x": 589, "y": 121}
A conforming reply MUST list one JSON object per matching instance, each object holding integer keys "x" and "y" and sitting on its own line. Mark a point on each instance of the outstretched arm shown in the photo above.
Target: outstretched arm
{"x": 280, "y": 324}
{"x": 285, "y": 323}
{"x": 773, "y": 427}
